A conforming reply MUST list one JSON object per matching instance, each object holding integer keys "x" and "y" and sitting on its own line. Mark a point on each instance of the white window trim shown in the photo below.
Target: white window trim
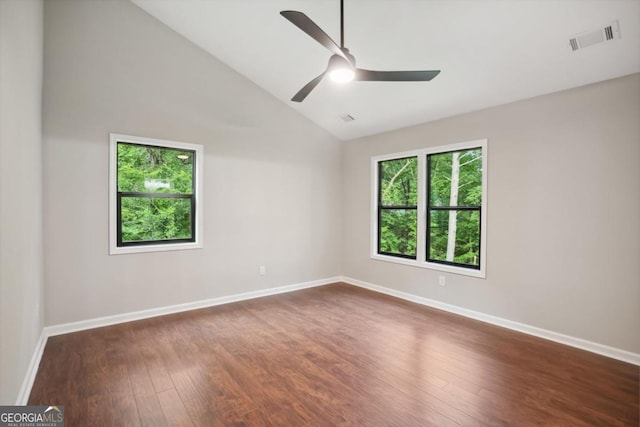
{"x": 422, "y": 209}
{"x": 113, "y": 187}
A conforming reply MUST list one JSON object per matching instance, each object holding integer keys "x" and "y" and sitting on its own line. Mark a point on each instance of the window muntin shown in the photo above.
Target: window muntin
{"x": 155, "y": 187}
{"x": 397, "y": 207}
{"x": 454, "y": 189}
{"x": 463, "y": 250}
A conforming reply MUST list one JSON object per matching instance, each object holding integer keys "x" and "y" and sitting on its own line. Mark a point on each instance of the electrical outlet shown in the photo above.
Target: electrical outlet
{"x": 442, "y": 281}
{"x": 263, "y": 270}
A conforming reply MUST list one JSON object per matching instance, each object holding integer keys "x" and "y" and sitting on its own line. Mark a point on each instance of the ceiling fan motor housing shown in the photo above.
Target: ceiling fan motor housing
{"x": 350, "y": 57}
{"x": 336, "y": 61}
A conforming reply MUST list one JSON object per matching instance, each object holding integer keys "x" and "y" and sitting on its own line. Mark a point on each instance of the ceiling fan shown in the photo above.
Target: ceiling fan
{"x": 342, "y": 64}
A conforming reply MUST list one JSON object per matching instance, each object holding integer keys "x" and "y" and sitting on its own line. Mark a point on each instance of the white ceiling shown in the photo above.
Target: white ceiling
{"x": 491, "y": 52}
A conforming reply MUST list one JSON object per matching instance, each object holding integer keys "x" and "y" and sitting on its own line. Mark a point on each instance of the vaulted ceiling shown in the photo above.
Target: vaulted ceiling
{"x": 491, "y": 52}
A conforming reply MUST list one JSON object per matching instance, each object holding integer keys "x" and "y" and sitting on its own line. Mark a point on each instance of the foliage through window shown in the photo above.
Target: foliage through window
{"x": 398, "y": 207}
{"x": 156, "y": 193}
{"x": 429, "y": 207}
{"x": 453, "y": 213}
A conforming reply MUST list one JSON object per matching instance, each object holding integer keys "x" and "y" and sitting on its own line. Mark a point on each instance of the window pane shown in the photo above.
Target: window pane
{"x": 148, "y": 219}
{"x": 456, "y": 178}
{"x": 399, "y": 182}
{"x": 145, "y": 169}
{"x": 455, "y": 236}
{"x": 398, "y": 231}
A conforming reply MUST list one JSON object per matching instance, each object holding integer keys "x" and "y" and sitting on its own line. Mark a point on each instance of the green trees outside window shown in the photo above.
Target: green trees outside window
{"x": 398, "y": 206}
{"x": 453, "y": 214}
{"x": 155, "y": 194}
{"x": 435, "y": 216}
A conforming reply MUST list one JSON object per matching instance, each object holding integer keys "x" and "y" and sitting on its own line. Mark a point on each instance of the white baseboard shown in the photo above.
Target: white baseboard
{"x": 161, "y": 311}
{"x": 32, "y": 370}
{"x": 614, "y": 353}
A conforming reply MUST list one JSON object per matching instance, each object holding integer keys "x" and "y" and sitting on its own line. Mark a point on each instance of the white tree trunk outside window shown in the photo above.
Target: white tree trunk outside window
{"x": 453, "y": 201}
{"x": 386, "y": 191}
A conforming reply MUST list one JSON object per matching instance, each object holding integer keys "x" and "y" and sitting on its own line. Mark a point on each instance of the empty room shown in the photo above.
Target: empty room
{"x": 319, "y": 213}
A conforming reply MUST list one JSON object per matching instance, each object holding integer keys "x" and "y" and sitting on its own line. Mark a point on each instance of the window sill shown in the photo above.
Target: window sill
{"x": 153, "y": 248}
{"x": 481, "y": 274}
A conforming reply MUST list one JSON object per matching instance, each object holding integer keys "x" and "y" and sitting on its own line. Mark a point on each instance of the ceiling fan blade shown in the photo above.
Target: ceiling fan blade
{"x": 305, "y": 23}
{"x": 302, "y": 93}
{"x": 395, "y": 76}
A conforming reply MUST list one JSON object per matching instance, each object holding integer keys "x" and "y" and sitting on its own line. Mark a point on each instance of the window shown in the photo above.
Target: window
{"x": 430, "y": 208}
{"x": 155, "y": 195}
{"x": 453, "y": 211}
{"x": 398, "y": 207}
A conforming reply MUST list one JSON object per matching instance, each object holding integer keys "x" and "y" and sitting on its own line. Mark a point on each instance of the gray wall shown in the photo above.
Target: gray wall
{"x": 563, "y": 244}
{"x": 21, "y": 308}
{"x": 272, "y": 178}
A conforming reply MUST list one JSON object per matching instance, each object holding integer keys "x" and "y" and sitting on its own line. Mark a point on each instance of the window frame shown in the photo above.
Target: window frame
{"x": 422, "y": 213}
{"x": 116, "y": 247}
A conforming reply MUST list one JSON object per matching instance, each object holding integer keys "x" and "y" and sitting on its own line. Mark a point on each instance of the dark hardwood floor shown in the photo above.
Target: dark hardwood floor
{"x": 330, "y": 356}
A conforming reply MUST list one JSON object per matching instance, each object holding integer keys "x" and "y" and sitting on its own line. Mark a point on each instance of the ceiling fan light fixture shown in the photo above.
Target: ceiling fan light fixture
{"x": 340, "y": 71}
{"x": 342, "y": 75}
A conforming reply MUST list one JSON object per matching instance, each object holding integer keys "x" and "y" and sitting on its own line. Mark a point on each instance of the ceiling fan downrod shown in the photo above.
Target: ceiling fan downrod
{"x": 341, "y": 24}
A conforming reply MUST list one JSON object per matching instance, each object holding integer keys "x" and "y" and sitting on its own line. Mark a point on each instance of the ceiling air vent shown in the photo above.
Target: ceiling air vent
{"x": 589, "y": 38}
{"x": 347, "y": 118}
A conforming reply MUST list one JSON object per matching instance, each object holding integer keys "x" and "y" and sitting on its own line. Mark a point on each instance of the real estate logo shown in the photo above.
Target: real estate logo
{"x": 31, "y": 416}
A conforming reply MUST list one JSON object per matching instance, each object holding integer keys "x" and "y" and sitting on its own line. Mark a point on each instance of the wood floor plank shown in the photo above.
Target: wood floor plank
{"x": 335, "y": 355}
{"x": 95, "y": 410}
{"x": 173, "y": 409}
{"x": 125, "y": 410}
{"x": 141, "y": 380}
{"x": 150, "y": 411}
